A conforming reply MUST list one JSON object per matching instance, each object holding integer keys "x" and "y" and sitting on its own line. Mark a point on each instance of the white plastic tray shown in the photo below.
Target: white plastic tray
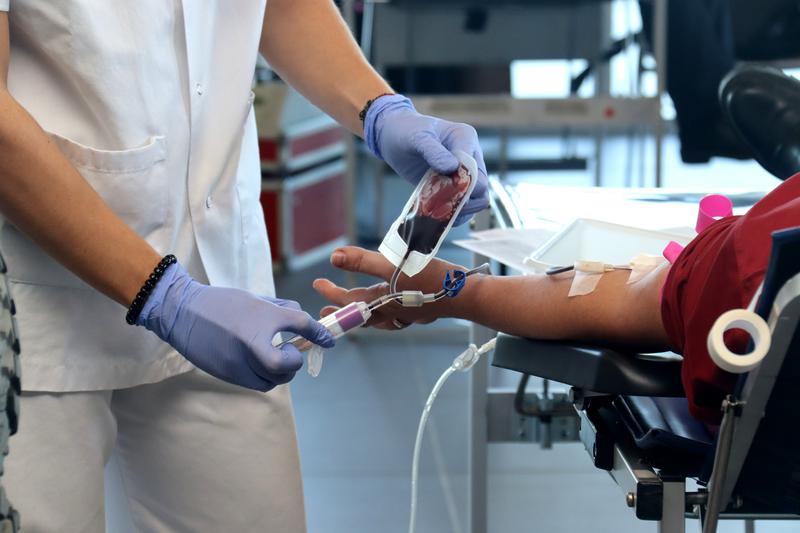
{"x": 594, "y": 240}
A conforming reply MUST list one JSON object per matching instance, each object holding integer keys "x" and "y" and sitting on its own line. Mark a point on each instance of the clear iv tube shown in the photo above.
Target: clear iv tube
{"x": 465, "y": 361}
{"x": 396, "y": 273}
{"x": 394, "y": 294}
{"x": 418, "y": 444}
{"x": 357, "y": 314}
{"x": 351, "y": 316}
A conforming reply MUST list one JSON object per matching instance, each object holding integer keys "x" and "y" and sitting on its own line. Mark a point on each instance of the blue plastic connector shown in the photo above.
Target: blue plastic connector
{"x": 453, "y": 283}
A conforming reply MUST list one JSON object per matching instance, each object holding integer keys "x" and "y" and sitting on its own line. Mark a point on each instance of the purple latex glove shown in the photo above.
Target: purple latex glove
{"x": 228, "y": 332}
{"x": 412, "y": 143}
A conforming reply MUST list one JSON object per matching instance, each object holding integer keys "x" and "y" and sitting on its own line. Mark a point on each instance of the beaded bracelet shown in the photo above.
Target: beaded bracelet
{"x": 138, "y": 302}
{"x": 362, "y": 115}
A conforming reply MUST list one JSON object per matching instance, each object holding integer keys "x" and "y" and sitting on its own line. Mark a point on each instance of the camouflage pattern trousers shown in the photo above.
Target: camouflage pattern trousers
{"x": 9, "y": 392}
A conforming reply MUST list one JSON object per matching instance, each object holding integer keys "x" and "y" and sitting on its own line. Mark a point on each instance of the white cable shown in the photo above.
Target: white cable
{"x": 465, "y": 361}
{"x": 418, "y": 444}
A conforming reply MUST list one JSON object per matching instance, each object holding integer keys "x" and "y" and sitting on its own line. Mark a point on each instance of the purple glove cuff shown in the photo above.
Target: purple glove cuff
{"x": 384, "y": 103}
{"x": 156, "y": 299}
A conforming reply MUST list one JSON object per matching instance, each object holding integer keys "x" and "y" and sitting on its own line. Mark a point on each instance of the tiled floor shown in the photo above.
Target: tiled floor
{"x": 358, "y": 419}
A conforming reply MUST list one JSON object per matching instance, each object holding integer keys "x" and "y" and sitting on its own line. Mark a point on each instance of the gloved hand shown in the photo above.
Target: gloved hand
{"x": 412, "y": 143}
{"x": 228, "y": 332}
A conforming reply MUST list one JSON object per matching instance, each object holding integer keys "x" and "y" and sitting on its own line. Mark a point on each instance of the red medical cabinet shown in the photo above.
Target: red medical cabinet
{"x": 306, "y": 214}
{"x": 304, "y": 180}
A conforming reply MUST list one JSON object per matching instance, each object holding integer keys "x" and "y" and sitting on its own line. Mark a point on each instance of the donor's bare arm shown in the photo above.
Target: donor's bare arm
{"x": 529, "y": 306}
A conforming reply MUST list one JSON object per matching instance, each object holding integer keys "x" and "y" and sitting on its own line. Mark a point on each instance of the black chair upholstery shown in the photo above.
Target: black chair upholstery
{"x": 668, "y": 435}
{"x": 770, "y": 479}
{"x": 591, "y": 368}
{"x": 640, "y": 400}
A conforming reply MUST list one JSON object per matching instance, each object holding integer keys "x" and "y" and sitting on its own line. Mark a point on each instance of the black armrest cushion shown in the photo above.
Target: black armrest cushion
{"x": 591, "y": 368}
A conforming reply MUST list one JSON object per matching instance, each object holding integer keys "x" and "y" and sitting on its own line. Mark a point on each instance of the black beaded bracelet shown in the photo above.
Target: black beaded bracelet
{"x": 362, "y": 115}
{"x": 138, "y": 303}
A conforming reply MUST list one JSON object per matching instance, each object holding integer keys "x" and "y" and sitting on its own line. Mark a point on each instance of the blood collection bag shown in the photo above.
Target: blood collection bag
{"x": 414, "y": 238}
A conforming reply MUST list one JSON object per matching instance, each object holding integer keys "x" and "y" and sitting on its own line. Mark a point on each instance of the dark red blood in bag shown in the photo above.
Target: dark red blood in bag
{"x": 442, "y": 194}
{"x": 437, "y": 202}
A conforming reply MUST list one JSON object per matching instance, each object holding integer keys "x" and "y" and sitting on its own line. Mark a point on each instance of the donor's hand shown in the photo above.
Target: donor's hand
{"x": 393, "y": 315}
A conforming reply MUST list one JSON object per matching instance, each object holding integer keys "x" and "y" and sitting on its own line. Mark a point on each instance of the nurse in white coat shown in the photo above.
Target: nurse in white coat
{"x": 127, "y": 135}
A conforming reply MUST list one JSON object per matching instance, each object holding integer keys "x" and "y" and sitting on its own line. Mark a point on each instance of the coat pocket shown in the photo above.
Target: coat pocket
{"x": 130, "y": 181}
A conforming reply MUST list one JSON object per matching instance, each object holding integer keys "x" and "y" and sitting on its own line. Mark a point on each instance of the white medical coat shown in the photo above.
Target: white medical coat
{"x": 151, "y": 101}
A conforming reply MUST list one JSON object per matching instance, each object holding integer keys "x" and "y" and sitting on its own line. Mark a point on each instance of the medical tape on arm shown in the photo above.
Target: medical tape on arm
{"x": 587, "y": 276}
{"x": 642, "y": 265}
{"x": 588, "y": 273}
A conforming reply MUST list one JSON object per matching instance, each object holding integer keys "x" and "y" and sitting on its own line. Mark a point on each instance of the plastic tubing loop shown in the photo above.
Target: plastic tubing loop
{"x": 754, "y": 325}
{"x": 453, "y": 284}
{"x": 712, "y": 208}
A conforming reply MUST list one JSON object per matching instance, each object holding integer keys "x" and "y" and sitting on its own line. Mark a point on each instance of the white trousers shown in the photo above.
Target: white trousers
{"x": 188, "y": 454}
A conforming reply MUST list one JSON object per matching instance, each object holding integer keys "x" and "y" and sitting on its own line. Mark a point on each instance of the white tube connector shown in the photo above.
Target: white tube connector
{"x": 466, "y": 359}
{"x": 462, "y": 363}
{"x": 412, "y": 299}
{"x": 471, "y": 355}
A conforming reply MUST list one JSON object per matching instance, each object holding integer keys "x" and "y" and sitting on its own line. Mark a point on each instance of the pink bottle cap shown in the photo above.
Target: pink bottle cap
{"x": 712, "y": 208}
{"x": 672, "y": 251}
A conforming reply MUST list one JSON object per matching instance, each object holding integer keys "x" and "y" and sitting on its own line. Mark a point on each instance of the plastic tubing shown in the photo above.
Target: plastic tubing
{"x": 465, "y": 361}
{"x": 351, "y": 316}
{"x": 426, "y": 411}
{"x": 394, "y": 294}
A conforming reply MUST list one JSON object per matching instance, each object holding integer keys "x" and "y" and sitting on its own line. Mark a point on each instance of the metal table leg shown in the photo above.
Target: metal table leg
{"x": 660, "y": 53}
{"x": 673, "y": 519}
{"x": 478, "y": 449}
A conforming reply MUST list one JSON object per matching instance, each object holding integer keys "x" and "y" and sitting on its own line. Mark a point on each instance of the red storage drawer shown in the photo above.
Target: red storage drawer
{"x": 302, "y": 145}
{"x": 306, "y": 214}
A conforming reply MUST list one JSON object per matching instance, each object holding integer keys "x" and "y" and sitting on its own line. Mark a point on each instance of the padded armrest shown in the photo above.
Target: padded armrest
{"x": 591, "y": 368}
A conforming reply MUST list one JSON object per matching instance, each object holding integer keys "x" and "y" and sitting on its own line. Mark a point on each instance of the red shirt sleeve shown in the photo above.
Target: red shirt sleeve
{"x": 720, "y": 270}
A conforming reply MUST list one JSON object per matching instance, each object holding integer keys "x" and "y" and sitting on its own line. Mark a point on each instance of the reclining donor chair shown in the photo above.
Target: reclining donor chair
{"x": 635, "y": 423}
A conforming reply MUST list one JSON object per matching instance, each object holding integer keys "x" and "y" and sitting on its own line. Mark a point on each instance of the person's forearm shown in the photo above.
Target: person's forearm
{"x": 308, "y": 44}
{"x": 616, "y": 312}
{"x": 538, "y": 307}
{"x": 47, "y": 199}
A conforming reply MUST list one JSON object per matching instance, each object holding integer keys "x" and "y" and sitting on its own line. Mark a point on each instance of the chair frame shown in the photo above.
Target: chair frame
{"x": 652, "y": 494}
